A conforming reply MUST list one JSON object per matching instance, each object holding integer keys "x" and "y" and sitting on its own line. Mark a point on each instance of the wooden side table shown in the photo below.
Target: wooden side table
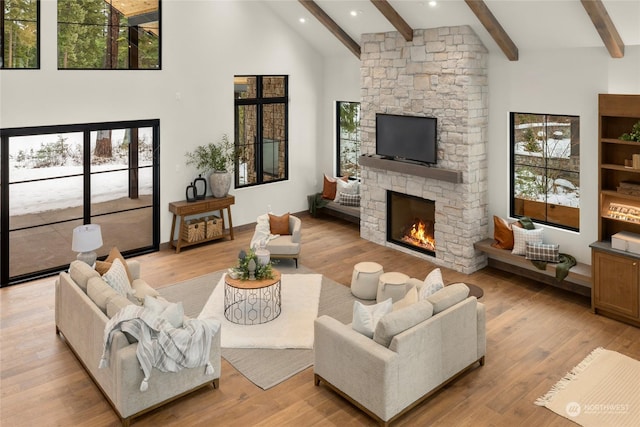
{"x": 252, "y": 302}
{"x": 183, "y": 208}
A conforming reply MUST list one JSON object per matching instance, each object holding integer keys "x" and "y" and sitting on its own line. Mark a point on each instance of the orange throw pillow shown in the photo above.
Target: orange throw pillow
{"x": 329, "y": 188}
{"x": 103, "y": 266}
{"x": 279, "y": 224}
{"x": 503, "y": 233}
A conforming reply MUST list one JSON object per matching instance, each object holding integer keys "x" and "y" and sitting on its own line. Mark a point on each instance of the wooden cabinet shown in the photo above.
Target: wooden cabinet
{"x": 183, "y": 208}
{"x": 618, "y": 276}
{"x": 616, "y": 273}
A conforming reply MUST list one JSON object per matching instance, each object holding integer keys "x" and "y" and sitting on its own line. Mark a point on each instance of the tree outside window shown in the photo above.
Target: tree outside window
{"x": 108, "y": 34}
{"x": 19, "y": 40}
{"x": 348, "y": 138}
{"x": 545, "y": 153}
{"x": 261, "y": 129}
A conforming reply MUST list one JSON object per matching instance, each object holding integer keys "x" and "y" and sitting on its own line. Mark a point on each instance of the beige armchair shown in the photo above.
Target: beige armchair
{"x": 284, "y": 245}
{"x": 414, "y": 352}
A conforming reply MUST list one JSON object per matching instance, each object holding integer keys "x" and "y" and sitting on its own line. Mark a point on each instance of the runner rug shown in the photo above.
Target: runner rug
{"x": 601, "y": 391}
{"x": 265, "y": 367}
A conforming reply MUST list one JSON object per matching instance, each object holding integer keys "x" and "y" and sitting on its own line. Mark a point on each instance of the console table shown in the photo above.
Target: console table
{"x": 183, "y": 208}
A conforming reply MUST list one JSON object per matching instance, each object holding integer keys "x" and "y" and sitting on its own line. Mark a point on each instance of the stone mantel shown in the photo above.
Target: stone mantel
{"x": 423, "y": 171}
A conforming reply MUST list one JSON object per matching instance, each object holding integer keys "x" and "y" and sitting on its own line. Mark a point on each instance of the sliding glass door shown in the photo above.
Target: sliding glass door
{"x": 56, "y": 178}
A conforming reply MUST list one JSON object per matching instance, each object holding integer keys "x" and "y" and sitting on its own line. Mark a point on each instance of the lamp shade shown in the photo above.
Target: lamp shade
{"x": 86, "y": 238}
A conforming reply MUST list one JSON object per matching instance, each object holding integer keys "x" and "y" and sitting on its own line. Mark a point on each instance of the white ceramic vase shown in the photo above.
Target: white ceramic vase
{"x": 220, "y": 183}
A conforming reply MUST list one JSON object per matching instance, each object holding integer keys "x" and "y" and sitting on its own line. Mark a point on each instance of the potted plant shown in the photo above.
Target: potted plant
{"x": 218, "y": 159}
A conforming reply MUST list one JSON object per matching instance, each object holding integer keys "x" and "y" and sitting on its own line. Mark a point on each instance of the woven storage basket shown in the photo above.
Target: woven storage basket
{"x": 213, "y": 226}
{"x": 193, "y": 230}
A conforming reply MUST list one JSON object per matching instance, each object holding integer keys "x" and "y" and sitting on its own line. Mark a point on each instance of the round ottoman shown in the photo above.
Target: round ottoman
{"x": 392, "y": 285}
{"x": 364, "y": 279}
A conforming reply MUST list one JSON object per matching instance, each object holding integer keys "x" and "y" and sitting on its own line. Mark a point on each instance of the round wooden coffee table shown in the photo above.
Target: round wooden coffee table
{"x": 252, "y": 302}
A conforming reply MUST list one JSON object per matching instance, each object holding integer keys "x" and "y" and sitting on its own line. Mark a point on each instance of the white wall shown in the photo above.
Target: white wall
{"x": 204, "y": 43}
{"x": 557, "y": 82}
{"x": 341, "y": 83}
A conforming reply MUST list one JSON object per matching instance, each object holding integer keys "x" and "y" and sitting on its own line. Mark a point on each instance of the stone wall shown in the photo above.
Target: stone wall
{"x": 442, "y": 73}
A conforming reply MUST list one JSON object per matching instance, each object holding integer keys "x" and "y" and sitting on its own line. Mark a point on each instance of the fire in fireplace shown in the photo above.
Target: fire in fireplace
{"x": 411, "y": 222}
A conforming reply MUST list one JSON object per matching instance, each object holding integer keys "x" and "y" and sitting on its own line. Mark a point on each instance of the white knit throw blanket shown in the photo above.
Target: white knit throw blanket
{"x": 160, "y": 345}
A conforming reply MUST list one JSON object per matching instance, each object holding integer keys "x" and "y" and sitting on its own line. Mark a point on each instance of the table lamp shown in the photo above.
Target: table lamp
{"x": 86, "y": 239}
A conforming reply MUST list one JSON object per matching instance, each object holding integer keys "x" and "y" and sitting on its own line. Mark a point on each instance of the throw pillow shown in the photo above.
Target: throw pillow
{"x": 410, "y": 298}
{"x": 100, "y": 293}
{"x": 169, "y": 311}
{"x": 279, "y": 224}
{"x": 117, "y": 278}
{"x": 542, "y": 252}
{"x": 399, "y": 321}
{"x": 366, "y": 317}
{"x": 521, "y": 236}
{"x": 432, "y": 284}
{"x": 329, "y": 188}
{"x": 448, "y": 296}
{"x": 103, "y": 266}
{"x": 503, "y": 233}
{"x": 350, "y": 199}
{"x": 348, "y": 187}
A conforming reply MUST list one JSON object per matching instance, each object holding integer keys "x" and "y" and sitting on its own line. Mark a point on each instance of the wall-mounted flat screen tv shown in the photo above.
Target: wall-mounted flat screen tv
{"x": 407, "y": 138}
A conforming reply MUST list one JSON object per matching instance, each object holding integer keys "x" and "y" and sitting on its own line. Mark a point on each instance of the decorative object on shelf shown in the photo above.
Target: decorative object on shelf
{"x": 634, "y": 135}
{"x": 201, "y": 187}
{"x": 250, "y": 267}
{"x": 629, "y": 187}
{"x": 624, "y": 212}
{"x": 86, "y": 239}
{"x": 190, "y": 193}
{"x": 217, "y": 159}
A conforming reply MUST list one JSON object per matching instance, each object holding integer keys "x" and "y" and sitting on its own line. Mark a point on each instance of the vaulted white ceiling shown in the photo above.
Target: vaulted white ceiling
{"x": 531, "y": 24}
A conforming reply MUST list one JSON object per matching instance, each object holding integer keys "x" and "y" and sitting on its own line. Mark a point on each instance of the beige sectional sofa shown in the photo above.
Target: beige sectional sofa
{"x": 81, "y": 313}
{"x": 414, "y": 352}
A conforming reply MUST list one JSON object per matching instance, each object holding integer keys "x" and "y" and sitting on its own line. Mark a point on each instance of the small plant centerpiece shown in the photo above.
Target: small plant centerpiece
{"x": 218, "y": 160}
{"x": 634, "y": 135}
{"x": 250, "y": 268}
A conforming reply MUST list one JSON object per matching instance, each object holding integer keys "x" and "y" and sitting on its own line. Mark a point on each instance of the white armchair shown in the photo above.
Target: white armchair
{"x": 414, "y": 352}
{"x": 282, "y": 245}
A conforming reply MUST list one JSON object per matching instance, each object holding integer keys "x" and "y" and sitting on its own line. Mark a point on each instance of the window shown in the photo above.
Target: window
{"x": 261, "y": 129}
{"x": 545, "y": 159}
{"x": 55, "y": 178}
{"x": 20, "y": 34}
{"x": 348, "y": 137}
{"x": 109, "y": 34}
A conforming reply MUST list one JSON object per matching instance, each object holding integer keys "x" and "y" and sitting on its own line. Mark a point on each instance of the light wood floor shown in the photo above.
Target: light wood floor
{"x": 535, "y": 334}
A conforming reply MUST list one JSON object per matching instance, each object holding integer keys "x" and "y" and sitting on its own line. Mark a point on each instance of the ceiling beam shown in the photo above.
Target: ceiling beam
{"x": 603, "y": 23}
{"x": 331, "y": 25}
{"x": 494, "y": 28}
{"x": 394, "y": 17}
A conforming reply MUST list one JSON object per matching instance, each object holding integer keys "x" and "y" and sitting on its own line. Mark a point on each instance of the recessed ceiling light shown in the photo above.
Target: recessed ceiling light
{"x": 433, "y": 3}
{"x": 302, "y": 20}
{"x": 355, "y": 12}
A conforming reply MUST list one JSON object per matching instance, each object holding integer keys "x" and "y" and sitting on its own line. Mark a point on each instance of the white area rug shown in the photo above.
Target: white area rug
{"x": 602, "y": 391}
{"x": 292, "y": 329}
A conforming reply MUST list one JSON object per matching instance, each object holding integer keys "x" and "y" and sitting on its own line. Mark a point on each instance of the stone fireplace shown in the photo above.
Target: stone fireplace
{"x": 410, "y": 222}
{"x": 441, "y": 73}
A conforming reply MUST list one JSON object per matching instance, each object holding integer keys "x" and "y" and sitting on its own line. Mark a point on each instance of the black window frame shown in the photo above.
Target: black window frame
{"x": 358, "y": 141}
{"x": 2, "y": 39}
{"x": 259, "y": 101}
{"x": 87, "y": 215}
{"x": 132, "y": 39}
{"x": 514, "y": 209}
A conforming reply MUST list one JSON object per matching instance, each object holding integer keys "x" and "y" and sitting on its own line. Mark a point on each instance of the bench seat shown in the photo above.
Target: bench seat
{"x": 578, "y": 280}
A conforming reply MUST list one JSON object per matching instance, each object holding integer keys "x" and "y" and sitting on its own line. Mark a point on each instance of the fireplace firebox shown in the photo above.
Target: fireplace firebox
{"x": 411, "y": 222}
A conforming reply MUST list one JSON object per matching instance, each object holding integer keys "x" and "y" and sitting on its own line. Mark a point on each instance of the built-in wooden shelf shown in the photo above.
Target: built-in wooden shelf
{"x": 424, "y": 171}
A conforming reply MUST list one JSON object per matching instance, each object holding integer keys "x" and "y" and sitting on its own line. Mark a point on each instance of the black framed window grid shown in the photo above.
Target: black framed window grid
{"x": 73, "y": 185}
{"x": 348, "y": 139}
{"x": 19, "y": 34}
{"x": 545, "y": 168}
{"x": 261, "y": 132}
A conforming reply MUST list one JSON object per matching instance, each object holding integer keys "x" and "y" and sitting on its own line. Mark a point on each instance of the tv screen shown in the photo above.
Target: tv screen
{"x": 407, "y": 137}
